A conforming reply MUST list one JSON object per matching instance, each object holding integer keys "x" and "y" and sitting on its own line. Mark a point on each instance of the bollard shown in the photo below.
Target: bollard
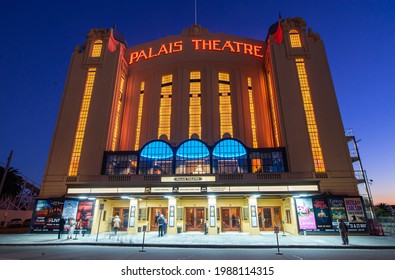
{"x": 276, "y": 230}
{"x": 142, "y": 245}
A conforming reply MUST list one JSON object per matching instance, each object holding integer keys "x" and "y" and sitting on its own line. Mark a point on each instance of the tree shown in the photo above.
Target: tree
{"x": 383, "y": 210}
{"x": 12, "y": 184}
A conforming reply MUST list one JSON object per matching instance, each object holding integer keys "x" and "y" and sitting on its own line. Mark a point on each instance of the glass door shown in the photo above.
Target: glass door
{"x": 123, "y": 214}
{"x": 230, "y": 219}
{"x": 154, "y": 215}
{"x": 269, "y": 217}
{"x": 194, "y": 219}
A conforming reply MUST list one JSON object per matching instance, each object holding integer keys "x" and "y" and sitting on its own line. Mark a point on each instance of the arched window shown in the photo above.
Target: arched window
{"x": 229, "y": 157}
{"x": 193, "y": 157}
{"x": 96, "y": 48}
{"x": 156, "y": 158}
{"x": 294, "y": 38}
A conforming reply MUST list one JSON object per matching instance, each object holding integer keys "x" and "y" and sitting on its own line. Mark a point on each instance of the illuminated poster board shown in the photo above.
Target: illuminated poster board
{"x": 338, "y": 211}
{"x": 48, "y": 212}
{"x": 305, "y": 213}
{"x": 355, "y": 213}
{"x": 320, "y": 214}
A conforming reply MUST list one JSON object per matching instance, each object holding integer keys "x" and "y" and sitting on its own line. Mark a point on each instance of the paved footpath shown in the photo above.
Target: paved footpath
{"x": 199, "y": 240}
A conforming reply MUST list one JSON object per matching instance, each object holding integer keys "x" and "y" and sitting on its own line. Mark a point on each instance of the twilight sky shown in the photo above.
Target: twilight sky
{"x": 38, "y": 38}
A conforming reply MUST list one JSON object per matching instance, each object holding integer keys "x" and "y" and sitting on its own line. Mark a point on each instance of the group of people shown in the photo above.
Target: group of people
{"x": 73, "y": 224}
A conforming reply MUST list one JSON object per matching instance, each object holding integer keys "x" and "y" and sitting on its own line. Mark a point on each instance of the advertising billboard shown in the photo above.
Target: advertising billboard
{"x": 48, "y": 212}
{"x": 321, "y": 214}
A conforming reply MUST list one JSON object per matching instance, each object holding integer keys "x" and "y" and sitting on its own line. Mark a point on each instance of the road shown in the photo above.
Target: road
{"x": 87, "y": 252}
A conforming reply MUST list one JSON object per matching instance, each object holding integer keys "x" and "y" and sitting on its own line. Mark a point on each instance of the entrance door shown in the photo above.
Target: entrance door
{"x": 269, "y": 217}
{"x": 155, "y": 212}
{"x": 230, "y": 219}
{"x": 194, "y": 219}
{"x": 123, "y": 214}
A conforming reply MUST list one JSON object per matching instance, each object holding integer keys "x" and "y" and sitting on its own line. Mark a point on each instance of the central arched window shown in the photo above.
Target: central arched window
{"x": 192, "y": 157}
{"x": 229, "y": 157}
{"x": 156, "y": 158}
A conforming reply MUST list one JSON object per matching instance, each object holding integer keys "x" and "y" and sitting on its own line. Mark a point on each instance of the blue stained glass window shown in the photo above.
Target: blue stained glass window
{"x": 229, "y": 157}
{"x": 192, "y": 157}
{"x": 156, "y": 158}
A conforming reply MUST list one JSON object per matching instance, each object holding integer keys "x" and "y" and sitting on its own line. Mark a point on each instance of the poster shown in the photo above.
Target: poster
{"x": 354, "y": 210}
{"x": 338, "y": 211}
{"x": 321, "y": 213}
{"x": 47, "y": 215}
{"x": 85, "y": 215}
{"x": 48, "y": 212}
{"x": 305, "y": 214}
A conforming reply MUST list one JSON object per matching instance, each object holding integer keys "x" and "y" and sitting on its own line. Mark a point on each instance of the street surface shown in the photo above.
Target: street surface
{"x": 87, "y": 252}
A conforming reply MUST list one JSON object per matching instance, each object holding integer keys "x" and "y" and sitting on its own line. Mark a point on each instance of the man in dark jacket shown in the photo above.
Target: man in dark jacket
{"x": 343, "y": 230}
{"x": 62, "y": 222}
{"x": 161, "y": 225}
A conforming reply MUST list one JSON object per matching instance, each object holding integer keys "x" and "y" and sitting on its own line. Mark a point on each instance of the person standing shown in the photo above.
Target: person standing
{"x": 116, "y": 223}
{"x": 161, "y": 224}
{"x": 71, "y": 228}
{"x": 343, "y": 230}
{"x": 62, "y": 222}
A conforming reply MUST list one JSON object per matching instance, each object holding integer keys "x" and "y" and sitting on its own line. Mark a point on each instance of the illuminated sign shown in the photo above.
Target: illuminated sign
{"x": 197, "y": 45}
{"x": 189, "y": 179}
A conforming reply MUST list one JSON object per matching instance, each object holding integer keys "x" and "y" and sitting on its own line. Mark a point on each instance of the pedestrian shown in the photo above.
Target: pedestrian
{"x": 71, "y": 228}
{"x": 62, "y": 222}
{"x": 161, "y": 222}
{"x": 343, "y": 230}
{"x": 116, "y": 223}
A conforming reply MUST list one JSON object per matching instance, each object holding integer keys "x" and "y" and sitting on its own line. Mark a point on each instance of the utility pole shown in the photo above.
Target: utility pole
{"x": 5, "y": 171}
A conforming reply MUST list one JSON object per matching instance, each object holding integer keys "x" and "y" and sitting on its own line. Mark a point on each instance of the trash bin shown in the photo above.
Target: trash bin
{"x": 179, "y": 229}
{"x": 138, "y": 229}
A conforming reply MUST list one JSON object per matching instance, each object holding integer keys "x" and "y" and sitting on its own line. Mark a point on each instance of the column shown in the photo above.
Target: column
{"x": 212, "y": 215}
{"x": 252, "y": 205}
{"x": 133, "y": 215}
{"x": 172, "y": 213}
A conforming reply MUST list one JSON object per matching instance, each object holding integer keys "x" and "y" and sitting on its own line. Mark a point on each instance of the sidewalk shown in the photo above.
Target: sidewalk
{"x": 199, "y": 240}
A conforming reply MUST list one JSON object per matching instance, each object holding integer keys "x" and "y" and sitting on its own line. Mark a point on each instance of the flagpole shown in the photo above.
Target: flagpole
{"x": 195, "y": 12}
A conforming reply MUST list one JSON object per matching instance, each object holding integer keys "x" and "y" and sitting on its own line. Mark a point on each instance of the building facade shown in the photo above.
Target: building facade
{"x": 214, "y": 131}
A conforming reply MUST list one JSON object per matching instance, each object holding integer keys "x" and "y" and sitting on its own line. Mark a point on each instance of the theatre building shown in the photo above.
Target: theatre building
{"x": 214, "y": 131}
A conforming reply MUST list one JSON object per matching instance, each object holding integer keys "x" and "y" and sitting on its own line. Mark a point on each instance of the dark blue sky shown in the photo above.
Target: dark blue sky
{"x": 38, "y": 38}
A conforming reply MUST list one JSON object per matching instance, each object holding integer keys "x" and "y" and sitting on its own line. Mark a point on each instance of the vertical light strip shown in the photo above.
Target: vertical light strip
{"x": 225, "y": 104}
{"x": 195, "y": 111}
{"x": 96, "y": 49}
{"x": 252, "y": 114}
{"x": 273, "y": 109}
{"x": 165, "y": 106}
{"x": 80, "y": 133}
{"x": 117, "y": 115}
{"x": 310, "y": 116}
{"x": 139, "y": 116}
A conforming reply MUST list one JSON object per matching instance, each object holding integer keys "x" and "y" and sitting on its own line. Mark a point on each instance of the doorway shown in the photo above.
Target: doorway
{"x": 194, "y": 218}
{"x": 155, "y": 212}
{"x": 230, "y": 219}
{"x": 269, "y": 217}
{"x": 123, "y": 214}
